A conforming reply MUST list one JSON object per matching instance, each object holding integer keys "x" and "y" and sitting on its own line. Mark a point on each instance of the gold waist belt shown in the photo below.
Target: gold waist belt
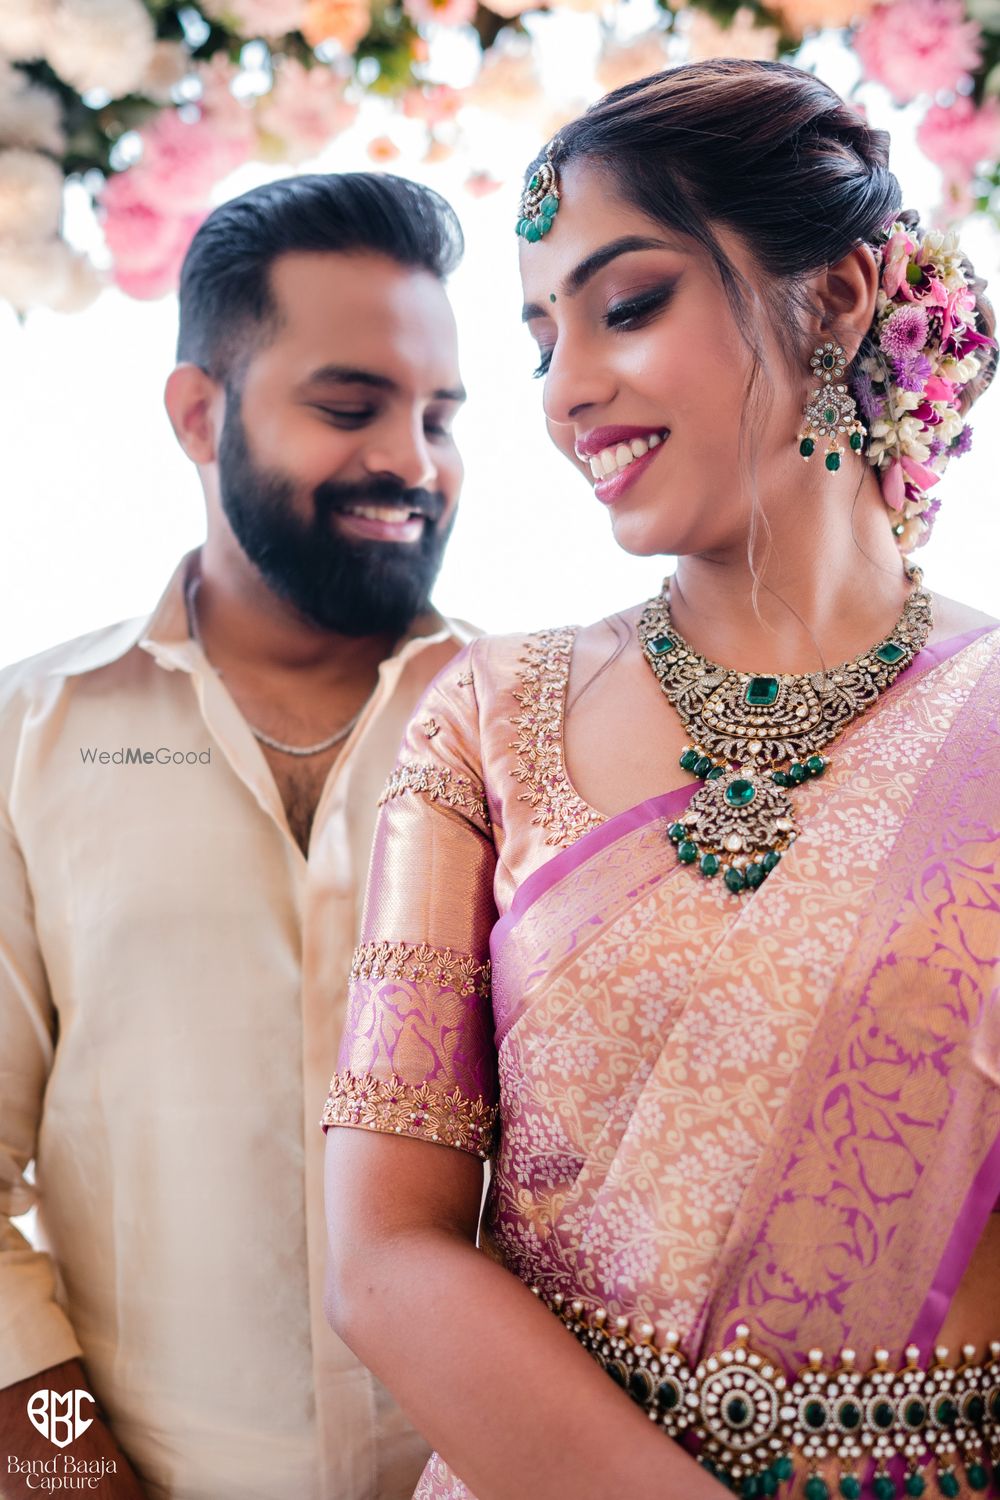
{"x": 753, "y": 1423}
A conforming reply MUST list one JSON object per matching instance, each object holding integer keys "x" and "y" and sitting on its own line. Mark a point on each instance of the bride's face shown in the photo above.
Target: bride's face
{"x": 646, "y": 374}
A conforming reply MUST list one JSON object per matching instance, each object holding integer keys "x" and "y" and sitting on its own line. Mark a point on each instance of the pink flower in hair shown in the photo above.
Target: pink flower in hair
{"x": 904, "y": 333}
{"x": 962, "y": 135}
{"x": 895, "y": 259}
{"x": 918, "y": 46}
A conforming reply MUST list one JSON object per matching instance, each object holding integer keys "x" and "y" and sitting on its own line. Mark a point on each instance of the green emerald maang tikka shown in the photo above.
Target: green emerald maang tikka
{"x": 540, "y": 200}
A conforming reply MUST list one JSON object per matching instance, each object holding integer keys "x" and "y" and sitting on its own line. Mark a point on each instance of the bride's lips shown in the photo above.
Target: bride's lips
{"x": 610, "y": 489}
{"x": 612, "y": 486}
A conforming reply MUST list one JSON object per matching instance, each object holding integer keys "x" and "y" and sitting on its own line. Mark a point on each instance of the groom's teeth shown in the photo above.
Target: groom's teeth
{"x": 391, "y": 513}
{"x": 613, "y": 460}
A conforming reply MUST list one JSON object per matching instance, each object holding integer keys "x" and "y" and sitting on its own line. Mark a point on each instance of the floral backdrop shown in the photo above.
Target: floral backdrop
{"x": 149, "y": 105}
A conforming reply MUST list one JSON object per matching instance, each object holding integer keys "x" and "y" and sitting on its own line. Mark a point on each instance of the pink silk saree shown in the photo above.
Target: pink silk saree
{"x": 781, "y": 1109}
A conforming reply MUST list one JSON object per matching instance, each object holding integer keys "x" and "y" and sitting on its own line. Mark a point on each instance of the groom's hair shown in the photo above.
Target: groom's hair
{"x": 227, "y": 307}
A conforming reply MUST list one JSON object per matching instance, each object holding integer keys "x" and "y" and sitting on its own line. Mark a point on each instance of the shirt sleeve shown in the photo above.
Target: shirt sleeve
{"x": 418, "y": 1056}
{"x": 35, "y": 1333}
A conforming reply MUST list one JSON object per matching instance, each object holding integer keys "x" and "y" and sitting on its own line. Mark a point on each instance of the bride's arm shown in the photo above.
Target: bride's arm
{"x": 490, "y": 1377}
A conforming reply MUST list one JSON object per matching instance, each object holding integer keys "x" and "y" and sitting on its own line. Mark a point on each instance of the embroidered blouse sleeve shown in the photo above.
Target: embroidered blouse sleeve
{"x": 417, "y": 1056}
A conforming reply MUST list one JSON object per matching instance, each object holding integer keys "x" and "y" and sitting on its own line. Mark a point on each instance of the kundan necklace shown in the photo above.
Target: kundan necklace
{"x": 755, "y": 738}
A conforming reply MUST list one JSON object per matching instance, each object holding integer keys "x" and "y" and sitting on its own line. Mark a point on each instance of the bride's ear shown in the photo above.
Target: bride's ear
{"x": 843, "y": 297}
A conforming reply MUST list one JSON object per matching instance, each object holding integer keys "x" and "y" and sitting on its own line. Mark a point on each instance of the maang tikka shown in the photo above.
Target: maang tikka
{"x": 540, "y": 199}
{"x": 831, "y": 411}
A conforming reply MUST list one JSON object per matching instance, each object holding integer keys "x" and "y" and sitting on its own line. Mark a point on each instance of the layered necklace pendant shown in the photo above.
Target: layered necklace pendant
{"x": 756, "y": 738}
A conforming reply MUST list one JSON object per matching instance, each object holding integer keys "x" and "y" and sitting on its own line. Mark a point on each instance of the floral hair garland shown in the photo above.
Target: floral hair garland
{"x": 909, "y": 391}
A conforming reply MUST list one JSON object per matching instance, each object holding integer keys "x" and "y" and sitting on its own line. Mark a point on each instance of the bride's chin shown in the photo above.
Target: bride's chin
{"x": 645, "y": 536}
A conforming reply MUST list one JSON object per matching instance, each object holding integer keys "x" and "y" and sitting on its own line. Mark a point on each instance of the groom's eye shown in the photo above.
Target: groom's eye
{"x": 346, "y": 416}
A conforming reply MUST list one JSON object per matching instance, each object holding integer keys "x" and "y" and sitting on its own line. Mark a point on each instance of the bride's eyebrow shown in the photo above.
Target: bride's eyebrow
{"x": 596, "y": 261}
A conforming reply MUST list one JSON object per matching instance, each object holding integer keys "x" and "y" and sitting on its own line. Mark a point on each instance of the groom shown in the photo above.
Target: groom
{"x": 186, "y": 806}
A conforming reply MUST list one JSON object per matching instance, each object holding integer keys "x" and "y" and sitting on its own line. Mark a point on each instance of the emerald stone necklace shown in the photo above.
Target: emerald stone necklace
{"x": 755, "y": 738}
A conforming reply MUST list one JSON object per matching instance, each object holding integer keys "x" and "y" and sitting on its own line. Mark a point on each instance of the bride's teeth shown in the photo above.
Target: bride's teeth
{"x": 639, "y": 447}
{"x": 596, "y": 467}
{"x": 608, "y": 461}
{"x": 654, "y": 440}
{"x": 623, "y": 455}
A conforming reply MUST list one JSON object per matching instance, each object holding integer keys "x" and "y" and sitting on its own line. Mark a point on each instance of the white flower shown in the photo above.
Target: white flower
{"x": 101, "y": 44}
{"x": 31, "y": 188}
{"x": 169, "y": 64}
{"x": 23, "y": 28}
{"x": 30, "y": 115}
{"x": 47, "y": 275}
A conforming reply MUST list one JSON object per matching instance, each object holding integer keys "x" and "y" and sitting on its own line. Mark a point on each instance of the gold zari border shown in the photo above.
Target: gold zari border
{"x": 439, "y": 784}
{"x": 753, "y": 1423}
{"x": 418, "y": 963}
{"x": 539, "y": 765}
{"x": 396, "y": 1108}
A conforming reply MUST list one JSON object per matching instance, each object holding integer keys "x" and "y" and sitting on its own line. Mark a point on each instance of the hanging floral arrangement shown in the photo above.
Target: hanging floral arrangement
{"x": 150, "y": 104}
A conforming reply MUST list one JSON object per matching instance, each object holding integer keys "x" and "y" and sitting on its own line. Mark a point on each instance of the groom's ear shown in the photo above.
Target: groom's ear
{"x": 195, "y": 405}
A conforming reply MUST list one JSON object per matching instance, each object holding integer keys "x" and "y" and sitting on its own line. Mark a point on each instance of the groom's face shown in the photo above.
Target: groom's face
{"x": 337, "y": 468}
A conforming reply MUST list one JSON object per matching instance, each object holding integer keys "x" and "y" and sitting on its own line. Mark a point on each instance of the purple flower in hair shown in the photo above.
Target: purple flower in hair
{"x": 962, "y": 443}
{"x": 870, "y": 404}
{"x": 904, "y": 333}
{"x": 911, "y": 372}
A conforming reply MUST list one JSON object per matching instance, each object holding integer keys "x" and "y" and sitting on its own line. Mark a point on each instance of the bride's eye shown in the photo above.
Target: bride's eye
{"x": 543, "y": 365}
{"x": 633, "y": 310}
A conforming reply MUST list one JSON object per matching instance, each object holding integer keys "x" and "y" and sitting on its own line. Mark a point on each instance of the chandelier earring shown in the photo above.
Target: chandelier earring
{"x": 831, "y": 412}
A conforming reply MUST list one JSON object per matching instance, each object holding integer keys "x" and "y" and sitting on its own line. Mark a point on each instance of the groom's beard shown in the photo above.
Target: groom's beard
{"x": 349, "y": 586}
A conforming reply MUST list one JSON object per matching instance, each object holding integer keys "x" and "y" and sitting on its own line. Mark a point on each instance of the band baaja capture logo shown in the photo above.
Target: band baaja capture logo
{"x": 59, "y": 1417}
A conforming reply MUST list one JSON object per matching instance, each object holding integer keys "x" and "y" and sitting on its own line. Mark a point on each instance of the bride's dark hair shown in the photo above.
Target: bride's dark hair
{"x": 770, "y": 153}
{"x": 760, "y": 148}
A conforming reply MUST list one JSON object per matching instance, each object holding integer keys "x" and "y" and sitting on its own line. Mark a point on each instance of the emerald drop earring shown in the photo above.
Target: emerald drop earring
{"x": 831, "y": 411}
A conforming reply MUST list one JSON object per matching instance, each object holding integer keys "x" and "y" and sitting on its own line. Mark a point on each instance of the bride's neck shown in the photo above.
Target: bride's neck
{"x": 828, "y": 585}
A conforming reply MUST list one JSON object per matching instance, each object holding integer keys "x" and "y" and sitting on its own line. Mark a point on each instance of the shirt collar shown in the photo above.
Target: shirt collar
{"x": 164, "y": 634}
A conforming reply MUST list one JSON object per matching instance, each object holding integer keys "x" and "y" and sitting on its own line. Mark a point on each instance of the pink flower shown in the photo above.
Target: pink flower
{"x": 434, "y": 103}
{"x": 960, "y": 136}
{"x": 148, "y": 246}
{"x": 895, "y": 259}
{"x": 442, "y": 12}
{"x": 305, "y": 109}
{"x": 904, "y": 332}
{"x": 918, "y": 46}
{"x": 182, "y": 161}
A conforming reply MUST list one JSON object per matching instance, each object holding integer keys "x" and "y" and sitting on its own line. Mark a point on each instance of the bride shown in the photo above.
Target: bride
{"x": 688, "y": 921}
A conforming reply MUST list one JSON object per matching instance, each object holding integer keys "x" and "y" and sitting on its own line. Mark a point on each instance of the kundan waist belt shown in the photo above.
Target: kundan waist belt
{"x": 756, "y": 1426}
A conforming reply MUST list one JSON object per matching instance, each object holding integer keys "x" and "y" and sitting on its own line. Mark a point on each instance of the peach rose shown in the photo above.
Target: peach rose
{"x": 343, "y": 21}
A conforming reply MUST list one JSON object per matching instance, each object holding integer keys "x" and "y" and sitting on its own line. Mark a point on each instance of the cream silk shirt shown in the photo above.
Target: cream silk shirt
{"x": 173, "y": 976}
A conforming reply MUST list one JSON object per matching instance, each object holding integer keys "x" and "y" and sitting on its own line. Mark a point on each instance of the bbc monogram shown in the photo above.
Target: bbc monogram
{"x": 59, "y": 1417}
